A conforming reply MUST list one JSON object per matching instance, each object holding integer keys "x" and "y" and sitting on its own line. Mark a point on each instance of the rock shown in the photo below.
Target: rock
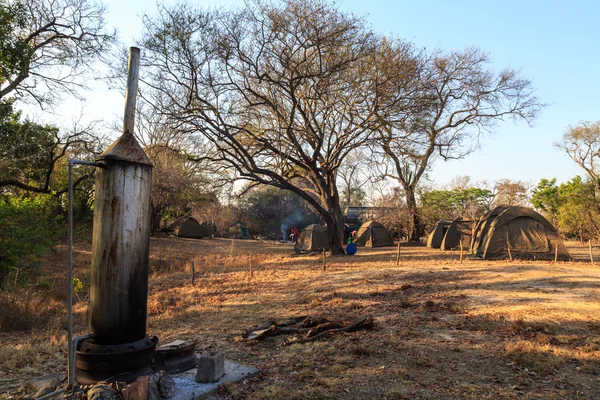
{"x": 102, "y": 392}
{"x": 166, "y": 385}
{"x": 42, "y": 392}
{"x": 43, "y": 386}
{"x": 49, "y": 381}
{"x": 153, "y": 392}
{"x": 136, "y": 390}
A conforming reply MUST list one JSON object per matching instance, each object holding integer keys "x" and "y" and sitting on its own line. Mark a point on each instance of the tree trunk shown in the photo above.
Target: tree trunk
{"x": 155, "y": 218}
{"x": 335, "y": 225}
{"x": 414, "y": 228}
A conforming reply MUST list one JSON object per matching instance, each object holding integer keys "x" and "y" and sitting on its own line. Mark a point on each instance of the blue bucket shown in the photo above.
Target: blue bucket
{"x": 351, "y": 249}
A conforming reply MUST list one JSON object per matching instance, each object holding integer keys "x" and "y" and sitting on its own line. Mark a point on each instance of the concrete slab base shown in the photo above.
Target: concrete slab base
{"x": 188, "y": 389}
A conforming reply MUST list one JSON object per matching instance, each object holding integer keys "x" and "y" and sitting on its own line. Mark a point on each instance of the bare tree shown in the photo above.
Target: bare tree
{"x": 512, "y": 193}
{"x": 50, "y": 45}
{"x": 582, "y": 145}
{"x": 460, "y": 98}
{"x": 178, "y": 184}
{"x": 281, "y": 93}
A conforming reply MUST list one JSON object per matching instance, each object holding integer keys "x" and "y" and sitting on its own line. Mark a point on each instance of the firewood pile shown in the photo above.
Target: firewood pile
{"x": 311, "y": 328}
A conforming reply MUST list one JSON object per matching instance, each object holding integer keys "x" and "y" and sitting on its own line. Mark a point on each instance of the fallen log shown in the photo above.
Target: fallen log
{"x": 362, "y": 323}
{"x": 324, "y": 327}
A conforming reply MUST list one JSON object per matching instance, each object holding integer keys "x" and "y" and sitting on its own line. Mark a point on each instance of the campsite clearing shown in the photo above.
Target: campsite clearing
{"x": 443, "y": 330}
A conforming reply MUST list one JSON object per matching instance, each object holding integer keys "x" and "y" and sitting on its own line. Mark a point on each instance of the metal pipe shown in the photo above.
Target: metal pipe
{"x": 73, "y": 349}
{"x": 51, "y": 395}
{"x": 71, "y": 360}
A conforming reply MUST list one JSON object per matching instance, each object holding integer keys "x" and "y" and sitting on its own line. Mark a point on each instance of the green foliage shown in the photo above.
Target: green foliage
{"x": 449, "y": 204}
{"x": 571, "y": 206}
{"x": 28, "y": 230}
{"x": 25, "y": 147}
{"x": 15, "y": 52}
{"x": 545, "y": 198}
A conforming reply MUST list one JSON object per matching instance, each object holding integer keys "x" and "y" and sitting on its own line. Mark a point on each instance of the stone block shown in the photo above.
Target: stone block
{"x": 211, "y": 367}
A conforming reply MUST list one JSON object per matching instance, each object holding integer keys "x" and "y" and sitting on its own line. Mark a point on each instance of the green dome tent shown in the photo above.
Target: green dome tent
{"x": 521, "y": 233}
{"x": 312, "y": 238}
{"x": 437, "y": 235}
{"x": 185, "y": 227}
{"x": 373, "y": 234}
{"x": 458, "y": 232}
{"x": 237, "y": 230}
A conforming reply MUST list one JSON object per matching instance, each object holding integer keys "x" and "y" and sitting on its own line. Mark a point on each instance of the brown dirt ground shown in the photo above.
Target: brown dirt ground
{"x": 444, "y": 330}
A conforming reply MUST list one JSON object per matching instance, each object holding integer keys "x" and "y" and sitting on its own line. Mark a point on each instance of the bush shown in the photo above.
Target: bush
{"x": 29, "y": 228}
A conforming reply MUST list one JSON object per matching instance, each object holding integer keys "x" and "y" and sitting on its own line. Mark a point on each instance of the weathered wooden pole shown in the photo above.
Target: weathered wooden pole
{"x": 250, "y": 265}
{"x": 398, "y": 254}
{"x": 555, "y": 254}
{"x": 591, "y": 254}
{"x": 461, "y": 251}
{"x": 324, "y": 260}
{"x": 509, "y": 254}
{"x": 193, "y": 272}
{"x": 120, "y": 256}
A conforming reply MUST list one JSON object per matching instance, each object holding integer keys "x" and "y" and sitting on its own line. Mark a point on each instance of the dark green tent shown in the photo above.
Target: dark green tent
{"x": 373, "y": 234}
{"x": 521, "y": 233}
{"x": 437, "y": 234}
{"x": 186, "y": 227}
{"x": 237, "y": 230}
{"x": 312, "y": 238}
{"x": 459, "y": 232}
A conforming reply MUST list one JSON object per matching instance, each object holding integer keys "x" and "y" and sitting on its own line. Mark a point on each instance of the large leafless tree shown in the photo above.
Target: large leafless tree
{"x": 281, "y": 93}
{"x": 460, "y": 99}
{"x": 51, "y": 45}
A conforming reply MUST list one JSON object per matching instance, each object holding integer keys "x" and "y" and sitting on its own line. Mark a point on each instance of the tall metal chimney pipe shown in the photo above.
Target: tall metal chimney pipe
{"x": 120, "y": 257}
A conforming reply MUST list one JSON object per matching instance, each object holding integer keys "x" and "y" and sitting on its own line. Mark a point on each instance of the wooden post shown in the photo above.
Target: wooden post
{"x": 509, "y": 253}
{"x": 461, "y": 252}
{"x": 398, "y": 254}
{"x": 131, "y": 92}
{"x": 555, "y": 254}
{"x": 193, "y": 272}
{"x": 324, "y": 260}
{"x": 591, "y": 255}
{"x": 250, "y": 262}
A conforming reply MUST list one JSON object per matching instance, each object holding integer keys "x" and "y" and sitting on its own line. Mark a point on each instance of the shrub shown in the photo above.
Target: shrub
{"x": 29, "y": 228}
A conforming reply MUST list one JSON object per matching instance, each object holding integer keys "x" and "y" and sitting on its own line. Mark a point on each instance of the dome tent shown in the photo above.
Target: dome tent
{"x": 237, "y": 230}
{"x": 186, "y": 227}
{"x": 437, "y": 235}
{"x": 520, "y": 232}
{"x": 458, "y": 232}
{"x": 312, "y": 238}
{"x": 483, "y": 225}
{"x": 373, "y": 234}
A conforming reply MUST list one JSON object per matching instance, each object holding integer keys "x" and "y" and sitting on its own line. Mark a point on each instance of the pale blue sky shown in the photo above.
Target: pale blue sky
{"x": 555, "y": 44}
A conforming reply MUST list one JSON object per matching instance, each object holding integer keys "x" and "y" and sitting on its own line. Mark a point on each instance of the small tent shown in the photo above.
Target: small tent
{"x": 459, "y": 232}
{"x": 521, "y": 233}
{"x": 207, "y": 229}
{"x": 186, "y": 227}
{"x": 483, "y": 225}
{"x": 437, "y": 235}
{"x": 237, "y": 230}
{"x": 312, "y": 238}
{"x": 373, "y": 234}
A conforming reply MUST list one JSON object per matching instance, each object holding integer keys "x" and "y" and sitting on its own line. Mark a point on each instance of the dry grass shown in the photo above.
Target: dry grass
{"x": 477, "y": 330}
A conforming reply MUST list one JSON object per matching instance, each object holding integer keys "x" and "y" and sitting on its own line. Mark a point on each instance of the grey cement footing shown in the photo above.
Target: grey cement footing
{"x": 188, "y": 389}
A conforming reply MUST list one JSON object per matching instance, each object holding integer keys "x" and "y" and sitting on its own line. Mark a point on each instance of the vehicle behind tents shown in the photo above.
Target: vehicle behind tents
{"x": 458, "y": 235}
{"x": 437, "y": 234}
{"x": 521, "y": 233}
{"x": 312, "y": 238}
{"x": 237, "y": 230}
{"x": 186, "y": 227}
{"x": 373, "y": 234}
